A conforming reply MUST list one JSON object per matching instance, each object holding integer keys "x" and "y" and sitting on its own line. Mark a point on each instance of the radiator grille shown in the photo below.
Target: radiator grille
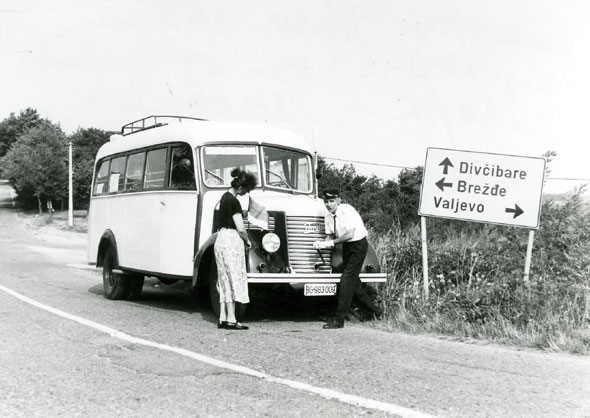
{"x": 302, "y": 231}
{"x": 271, "y": 224}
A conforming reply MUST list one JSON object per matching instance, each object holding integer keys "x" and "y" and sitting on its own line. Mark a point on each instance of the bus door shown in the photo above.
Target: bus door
{"x": 143, "y": 211}
{"x": 179, "y": 213}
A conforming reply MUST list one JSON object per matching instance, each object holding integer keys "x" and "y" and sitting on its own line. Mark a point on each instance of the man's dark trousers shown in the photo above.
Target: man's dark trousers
{"x": 353, "y": 254}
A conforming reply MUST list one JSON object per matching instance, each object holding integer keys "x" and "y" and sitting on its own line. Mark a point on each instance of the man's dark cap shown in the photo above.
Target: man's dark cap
{"x": 330, "y": 194}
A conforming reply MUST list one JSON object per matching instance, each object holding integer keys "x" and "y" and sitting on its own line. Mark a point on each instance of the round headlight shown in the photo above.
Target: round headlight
{"x": 271, "y": 242}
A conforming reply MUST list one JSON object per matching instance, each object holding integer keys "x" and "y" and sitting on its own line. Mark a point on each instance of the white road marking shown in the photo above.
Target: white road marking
{"x": 82, "y": 266}
{"x": 323, "y": 392}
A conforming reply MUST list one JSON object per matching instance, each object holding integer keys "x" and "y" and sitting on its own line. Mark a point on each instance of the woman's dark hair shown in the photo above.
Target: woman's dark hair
{"x": 243, "y": 178}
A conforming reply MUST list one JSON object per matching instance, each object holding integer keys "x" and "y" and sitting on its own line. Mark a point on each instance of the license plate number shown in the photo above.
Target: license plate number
{"x": 319, "y": 289}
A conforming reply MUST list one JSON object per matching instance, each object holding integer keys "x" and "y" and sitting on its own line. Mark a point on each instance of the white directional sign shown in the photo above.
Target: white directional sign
{"x": 482, "y": 187}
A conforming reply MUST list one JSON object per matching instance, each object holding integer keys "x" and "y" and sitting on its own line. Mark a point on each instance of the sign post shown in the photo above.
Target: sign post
{"x": 70, "y": 188}
{"x": 424, "y": 256}
{"x": 482, "y": 187}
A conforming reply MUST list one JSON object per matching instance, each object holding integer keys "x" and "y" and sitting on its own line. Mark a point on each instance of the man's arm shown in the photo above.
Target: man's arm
{"x": 330, "y": 239}
{"x": 347, "y": 236}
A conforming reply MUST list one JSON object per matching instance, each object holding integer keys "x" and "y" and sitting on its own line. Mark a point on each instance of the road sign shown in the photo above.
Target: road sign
{"x": 482, "y": 187}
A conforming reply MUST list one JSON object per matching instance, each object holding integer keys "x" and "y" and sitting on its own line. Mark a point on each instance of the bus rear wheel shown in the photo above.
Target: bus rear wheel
{"x": 214, "y": 295}
{"x": 116, "y": 286}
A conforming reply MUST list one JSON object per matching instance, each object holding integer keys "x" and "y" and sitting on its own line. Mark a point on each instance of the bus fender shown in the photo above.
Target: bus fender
{"x": 207, "y": 245}
{"x": 370, "y": 263}
{"x": 107, "y": 240}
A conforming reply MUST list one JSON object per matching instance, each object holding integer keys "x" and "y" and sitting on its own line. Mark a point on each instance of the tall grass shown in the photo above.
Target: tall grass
{"x": 476, "y": 280}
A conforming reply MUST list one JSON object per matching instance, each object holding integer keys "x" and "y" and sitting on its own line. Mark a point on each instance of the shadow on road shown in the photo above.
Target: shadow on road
{"x": 283, "y": 304}
{"x": 170, "y": 298}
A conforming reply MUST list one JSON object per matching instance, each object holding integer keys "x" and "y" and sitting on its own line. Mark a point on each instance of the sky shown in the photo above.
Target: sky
{"x": 366, "y": 81}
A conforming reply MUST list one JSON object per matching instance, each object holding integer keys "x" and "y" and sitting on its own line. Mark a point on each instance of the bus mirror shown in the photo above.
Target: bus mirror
{"x": 318, "y": 174}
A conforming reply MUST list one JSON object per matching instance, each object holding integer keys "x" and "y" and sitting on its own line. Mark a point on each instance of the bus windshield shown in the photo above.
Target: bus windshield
{"x": 283, "y": 169}
{"x": 287, "y": 169}
{"x": 219, "y": 160}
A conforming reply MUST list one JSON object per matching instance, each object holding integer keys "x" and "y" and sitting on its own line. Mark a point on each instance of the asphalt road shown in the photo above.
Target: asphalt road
{"x": 67, "y": 351}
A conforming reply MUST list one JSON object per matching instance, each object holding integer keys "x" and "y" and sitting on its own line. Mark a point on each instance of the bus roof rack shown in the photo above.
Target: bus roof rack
{"x": 150, "y": 122}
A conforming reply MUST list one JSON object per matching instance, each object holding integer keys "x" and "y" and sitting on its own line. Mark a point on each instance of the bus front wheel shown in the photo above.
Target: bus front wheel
{"x": 116, "y": 286}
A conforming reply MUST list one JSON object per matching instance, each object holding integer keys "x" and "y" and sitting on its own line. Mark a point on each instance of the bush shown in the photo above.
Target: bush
{"x": 477, "y": 278}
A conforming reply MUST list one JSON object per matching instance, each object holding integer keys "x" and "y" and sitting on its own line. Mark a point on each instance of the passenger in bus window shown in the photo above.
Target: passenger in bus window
{"x": 232, "y": 238}
{"x": 344, "y": 225}
{"x": 182, "y": 174}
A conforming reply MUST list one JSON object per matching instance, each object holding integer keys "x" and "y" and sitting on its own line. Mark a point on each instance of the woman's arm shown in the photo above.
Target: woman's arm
{"x": 239, "y": 221}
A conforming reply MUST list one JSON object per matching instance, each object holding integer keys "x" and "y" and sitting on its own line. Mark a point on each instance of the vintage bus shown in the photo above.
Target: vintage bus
{"x": 155, "y": 190}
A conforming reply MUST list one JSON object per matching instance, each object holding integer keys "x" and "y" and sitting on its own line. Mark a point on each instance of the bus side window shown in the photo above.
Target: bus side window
{"x": 116, "y": 178}
{"x": 134, "y": 173}
{"x": 102, "y": 178}
{"x": 155, "y": 169}
{"x": 182, "y": 169}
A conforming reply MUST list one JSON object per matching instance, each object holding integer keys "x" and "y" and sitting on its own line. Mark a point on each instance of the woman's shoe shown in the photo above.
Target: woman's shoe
{"x": 222, "y": 324}
{"x": 235, "y": 325}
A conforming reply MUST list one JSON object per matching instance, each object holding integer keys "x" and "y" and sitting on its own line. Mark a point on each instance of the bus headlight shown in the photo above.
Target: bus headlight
{"x": 271, "y": 242}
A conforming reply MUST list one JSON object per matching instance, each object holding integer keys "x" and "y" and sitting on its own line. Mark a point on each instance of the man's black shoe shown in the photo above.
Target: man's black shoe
{"x": 334, "y": 325}
{"x": 235, "y": 325}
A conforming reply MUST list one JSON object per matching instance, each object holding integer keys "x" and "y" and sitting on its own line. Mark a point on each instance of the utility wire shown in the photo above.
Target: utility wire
{"x": 566, "y": 178}
{"x": 363, "y": 162}
{"x": 401, "y": 166}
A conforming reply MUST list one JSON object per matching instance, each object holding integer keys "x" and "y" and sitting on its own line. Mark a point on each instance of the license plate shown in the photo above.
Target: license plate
{"x": 319, "y": 289}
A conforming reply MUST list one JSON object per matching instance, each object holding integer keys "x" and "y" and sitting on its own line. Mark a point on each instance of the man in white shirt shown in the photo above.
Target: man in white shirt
{"x": 344, "y": 225}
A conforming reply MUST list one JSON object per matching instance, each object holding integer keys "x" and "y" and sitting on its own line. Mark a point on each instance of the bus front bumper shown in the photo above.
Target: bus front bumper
{"x": 305, "y": 278}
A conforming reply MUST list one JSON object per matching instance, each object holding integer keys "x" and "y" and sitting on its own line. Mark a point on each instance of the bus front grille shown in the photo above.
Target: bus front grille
{"x": 249, "y": 225}
{"x": 302, "y": 231}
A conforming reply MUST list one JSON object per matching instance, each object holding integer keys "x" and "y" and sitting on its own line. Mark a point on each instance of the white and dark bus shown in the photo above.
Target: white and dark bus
{"x": 155, "y": 189}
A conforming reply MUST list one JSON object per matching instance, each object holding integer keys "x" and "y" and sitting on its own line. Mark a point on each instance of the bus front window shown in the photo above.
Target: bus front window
{"x": 287, "y": 169}
{"x": 219, "y": 160}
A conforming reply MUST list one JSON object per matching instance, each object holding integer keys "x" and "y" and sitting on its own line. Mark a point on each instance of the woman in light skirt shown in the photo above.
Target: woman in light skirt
{"x": 232, "y": 283}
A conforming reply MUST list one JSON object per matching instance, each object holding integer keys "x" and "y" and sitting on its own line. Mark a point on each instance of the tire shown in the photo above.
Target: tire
{"x": 135, "y": 287}
{"x": 214, "y": 295}
{"x": 116, "y": 286}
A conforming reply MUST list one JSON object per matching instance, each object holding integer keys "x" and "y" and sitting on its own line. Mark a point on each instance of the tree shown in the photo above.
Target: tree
{"x": 36, "y": 164}
{"x": 410, "y": 182}
{"x": 549, "y": 155}
{"x": 381, "y": 204}
{"x": 85, "y": 143}
{"x": 13, "y": 127}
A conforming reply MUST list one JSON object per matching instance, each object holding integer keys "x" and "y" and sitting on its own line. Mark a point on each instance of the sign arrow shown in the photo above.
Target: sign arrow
{"x": 517, "y": 211}
{"x": 446, "y": 163}
{"x": 441, "y": 184}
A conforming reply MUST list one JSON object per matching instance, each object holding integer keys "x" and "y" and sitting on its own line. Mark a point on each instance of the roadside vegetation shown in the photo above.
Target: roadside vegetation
{"x": 476, "y": 271}
{"x": 34, "y": 158}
